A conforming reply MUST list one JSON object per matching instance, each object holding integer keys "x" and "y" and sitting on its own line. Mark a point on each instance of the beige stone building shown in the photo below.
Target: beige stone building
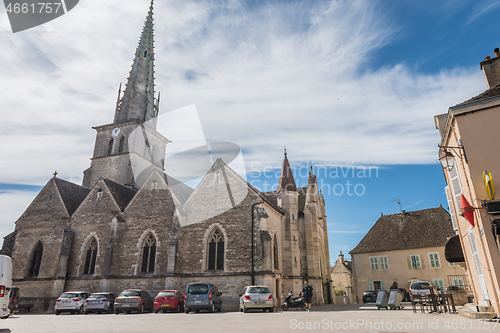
{"x": 121, "y": 231}
{"x": 404, "y": 247}
{"x": 470, "y": 141}
{"x": 342, "y": 277}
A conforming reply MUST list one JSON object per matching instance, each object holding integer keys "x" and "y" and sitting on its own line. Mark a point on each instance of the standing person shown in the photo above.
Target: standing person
{"x": 307, "y": 294}
{"x": 394, "y": 285}
{"x": 345, "y": 298}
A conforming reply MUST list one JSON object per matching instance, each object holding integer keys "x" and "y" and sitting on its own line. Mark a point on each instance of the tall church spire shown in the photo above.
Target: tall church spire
{"x": 287, "y": 182}
{"x": 138, "y": 96}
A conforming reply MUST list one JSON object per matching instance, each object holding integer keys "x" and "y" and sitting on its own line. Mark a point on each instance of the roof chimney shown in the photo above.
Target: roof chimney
{"x": 341, "y": 257}
{"x": 491, "y": 69}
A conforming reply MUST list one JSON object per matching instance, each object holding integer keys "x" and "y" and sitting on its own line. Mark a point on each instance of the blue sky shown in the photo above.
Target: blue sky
{"x": 341, "y": 83}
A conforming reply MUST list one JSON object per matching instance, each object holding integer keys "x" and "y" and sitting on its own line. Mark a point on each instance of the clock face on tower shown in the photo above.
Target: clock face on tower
{"x": 115, "y": 132}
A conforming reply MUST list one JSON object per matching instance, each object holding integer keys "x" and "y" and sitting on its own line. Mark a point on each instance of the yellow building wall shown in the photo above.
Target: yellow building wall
{"x": 400, "y": 270}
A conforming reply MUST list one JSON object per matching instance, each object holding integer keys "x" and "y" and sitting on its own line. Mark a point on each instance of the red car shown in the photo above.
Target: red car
{"x": 169, "y": 300}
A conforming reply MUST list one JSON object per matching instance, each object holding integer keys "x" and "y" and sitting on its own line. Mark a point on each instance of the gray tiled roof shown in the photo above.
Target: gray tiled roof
{"x": 409, "y": 230}
{"x": 71, "y": 194}
{"x": 122, "y": 194}
{"x": 490, "y": 93}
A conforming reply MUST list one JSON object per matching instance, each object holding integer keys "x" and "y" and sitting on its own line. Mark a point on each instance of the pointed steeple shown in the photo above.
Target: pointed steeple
{"x": 138, "y": 97}
{"x": 287, "y": 182}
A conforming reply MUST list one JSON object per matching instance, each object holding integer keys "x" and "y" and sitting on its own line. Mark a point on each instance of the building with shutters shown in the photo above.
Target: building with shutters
{"x": 120, "y": 230}
{"x": 470, "y": 141}
{"x": 405, "y": 247}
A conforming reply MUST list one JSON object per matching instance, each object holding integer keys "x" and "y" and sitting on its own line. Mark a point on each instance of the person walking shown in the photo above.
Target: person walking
{"x": 345, "y": 298}
{"x": 307, "y": 294}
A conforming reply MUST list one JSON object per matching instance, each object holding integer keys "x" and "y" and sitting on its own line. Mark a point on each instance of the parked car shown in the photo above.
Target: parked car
{"x": 369, "y": 296}
{"x": 420, "y": 288}
{"x": 133, "y": 300}
{"x": 99, "y": 302}
{"x": 256, "y": 297}
{"x": 202, "y": 296}
{"x": 71, "y": 301}
{"x": 406, "y": 295}
{"x": 5, "y": 285}
{"x": 169, "y": 300}
{"x": 14, "y": 300}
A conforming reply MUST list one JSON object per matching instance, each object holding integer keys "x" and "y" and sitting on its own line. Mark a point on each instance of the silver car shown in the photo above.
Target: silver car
{"x": 256, "y": 297}
{"x": 100, "y": 302}
{"x": 420, "y": 288}
{"x": 71, "y": 301}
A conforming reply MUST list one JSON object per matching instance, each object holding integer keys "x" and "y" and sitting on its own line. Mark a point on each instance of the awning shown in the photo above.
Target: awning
{"x": 453, "y": 250}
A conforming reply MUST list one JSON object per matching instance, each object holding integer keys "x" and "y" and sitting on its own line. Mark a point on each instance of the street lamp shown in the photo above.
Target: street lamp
{"x": 447, "y": 160}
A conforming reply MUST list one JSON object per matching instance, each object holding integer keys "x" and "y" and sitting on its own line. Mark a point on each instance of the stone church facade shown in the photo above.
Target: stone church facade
{"x": 117, "y": 231}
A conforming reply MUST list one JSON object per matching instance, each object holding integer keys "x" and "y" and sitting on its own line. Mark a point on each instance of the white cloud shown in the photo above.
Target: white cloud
{"x": 12, "y": 205}
{"x": 262, "y": 77}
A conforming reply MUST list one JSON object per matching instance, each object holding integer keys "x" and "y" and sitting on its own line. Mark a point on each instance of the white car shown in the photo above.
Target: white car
{"x": 5, "y": 285}
{"x": 256, "y": 297}
{"x": 71, "y": 301}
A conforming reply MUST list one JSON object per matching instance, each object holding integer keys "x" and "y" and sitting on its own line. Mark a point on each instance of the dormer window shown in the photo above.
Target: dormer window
{"x": 145, "y": 53}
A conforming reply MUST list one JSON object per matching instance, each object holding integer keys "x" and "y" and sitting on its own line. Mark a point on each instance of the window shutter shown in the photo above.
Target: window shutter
{"x": 409, "y": 262}
{"x": 370, "y": 285}
{"x": 456, "y": 187}
{"x": 450, "y": 208}
{"x": 382, "y": 285}
{"x": 422, "y": 265}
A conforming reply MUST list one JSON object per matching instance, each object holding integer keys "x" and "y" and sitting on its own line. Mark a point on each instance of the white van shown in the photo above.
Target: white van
{"x": 5, "y": 285}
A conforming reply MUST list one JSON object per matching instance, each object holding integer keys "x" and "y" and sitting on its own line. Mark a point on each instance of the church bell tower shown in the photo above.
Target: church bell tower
{"x": 131, "y": 139}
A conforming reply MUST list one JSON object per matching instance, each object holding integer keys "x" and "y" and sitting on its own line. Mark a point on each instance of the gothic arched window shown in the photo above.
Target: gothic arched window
{"x": 276, "y": 253}
{"x": 90, "y": 257}
{"x": 35, "y": 260}
{"x": 110, "y": 146}
{"x": 148, "y": 254}
{"x": 145, "y": 53}
{"x": 216, "y": 250}
{"x": 120, "y": 146}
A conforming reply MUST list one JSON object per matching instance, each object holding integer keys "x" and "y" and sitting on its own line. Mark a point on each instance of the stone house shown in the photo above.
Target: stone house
{"x": 120, "y": 231}
{"x": 405, "y": 247}
{"x": 341, "y": 274}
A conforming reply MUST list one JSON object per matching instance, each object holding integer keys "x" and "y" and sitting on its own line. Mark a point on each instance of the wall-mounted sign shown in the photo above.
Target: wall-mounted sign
{"x": 488, "y": 183}
{"x": 362, "y": 280}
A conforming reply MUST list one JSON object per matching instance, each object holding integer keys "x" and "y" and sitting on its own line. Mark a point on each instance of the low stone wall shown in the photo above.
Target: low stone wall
{"x": 459, "y": 296}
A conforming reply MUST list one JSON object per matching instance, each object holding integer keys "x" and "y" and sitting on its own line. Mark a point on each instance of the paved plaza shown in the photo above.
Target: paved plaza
{"x": 328, "y": 318}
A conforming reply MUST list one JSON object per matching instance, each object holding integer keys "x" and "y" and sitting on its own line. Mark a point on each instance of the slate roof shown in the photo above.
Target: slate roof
{"x": 272, "y": 198}
{"x": 490, "y": 93}
{"x": 286, "y": 181}
{"x": 181, "y": 190}
{"x": 409, "y": 230}
{"x": 122, "y": 194}
{"x": 71, "y": 194}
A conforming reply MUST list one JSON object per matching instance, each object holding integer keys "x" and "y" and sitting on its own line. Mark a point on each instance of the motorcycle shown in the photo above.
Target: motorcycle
{"x": 297, "y": 303}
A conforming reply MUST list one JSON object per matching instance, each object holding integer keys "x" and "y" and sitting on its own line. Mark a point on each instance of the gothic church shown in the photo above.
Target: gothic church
{"x": 113, "y": 233}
